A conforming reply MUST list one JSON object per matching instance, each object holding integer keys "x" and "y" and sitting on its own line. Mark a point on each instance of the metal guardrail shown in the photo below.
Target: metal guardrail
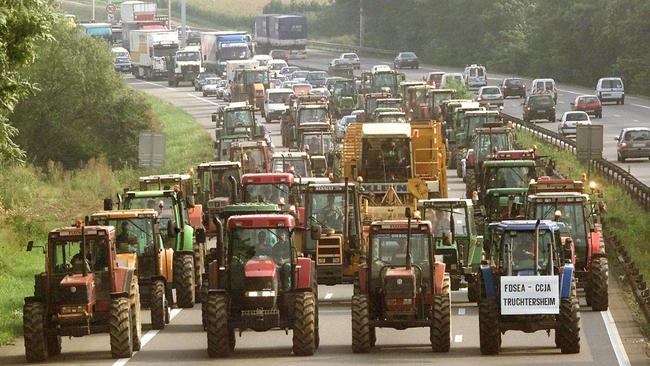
{"x": 349, "y": 48}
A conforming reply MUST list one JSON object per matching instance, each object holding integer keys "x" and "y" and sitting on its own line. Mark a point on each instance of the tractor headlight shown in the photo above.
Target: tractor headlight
{"x": 260, "y": 293}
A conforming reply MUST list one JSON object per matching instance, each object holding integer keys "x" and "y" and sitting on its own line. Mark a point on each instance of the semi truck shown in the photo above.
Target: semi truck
{"x": 289, "y": 32}
{"x": 101, "y": 31}
{"x": 185, "y": 66}
{"x": 219, "y": 47}
{"x": 150, "y": 51}
{"x": 136, "y": 15}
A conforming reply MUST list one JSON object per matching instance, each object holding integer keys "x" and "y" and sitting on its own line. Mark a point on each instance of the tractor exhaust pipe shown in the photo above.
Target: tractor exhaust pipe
{"x": 408, "y": 238}
{"x": 234, "y": 191}
{"x": 536, "y": 253}
{"x": 346, "y": 218}
{"x": 220, "y": 245}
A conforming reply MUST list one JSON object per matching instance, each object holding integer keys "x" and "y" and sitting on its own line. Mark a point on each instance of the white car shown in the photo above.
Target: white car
{"x": 380, "y": 68}
{"x": 210, "y": 87}
{"x": 611, "y": 89}
{"x": 569, "y": 121}
{"x": 275, "y": 66}
{"x": 490, "y": 95}
{"x": 353, "y": 58}
{"x": 276, "y": 102}
{"x": 262, "y": 59}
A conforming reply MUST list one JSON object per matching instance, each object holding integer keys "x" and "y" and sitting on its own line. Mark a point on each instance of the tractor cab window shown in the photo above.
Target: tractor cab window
{"x": 188, "y": 56}
{"x": 134, "y": 235}
{"x": 441, "y": 220}
{"x": 386, "y": 160}
{"x": 270, "y": 193}
{"x": 237, "y": 119}
{"x": 218, "y": 182}
{"x": 318, "y": 144}
{"x": 343, "y": 88}
{"x": 381, "y": 80}
{"x": 519, "y": 251}
{"x": 511, "y": 177}
{"x": 252, "y": 159}
{"x": 273, "y": 243}
{"x": 492, "y": 141}
{"x": 573, "y": 217}
{"x": 326, "y": 210}
{"x": 312, "y": 115}
{"x": 297, "y": 166}
{"x": 390, "y": 249}
{"x": 68, "y": 258}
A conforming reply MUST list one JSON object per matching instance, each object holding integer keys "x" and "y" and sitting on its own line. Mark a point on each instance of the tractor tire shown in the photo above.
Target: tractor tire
{"x": 304, "y": 324}
{"x": 34, "y": 332}
{"x": 451, "y": 159}
{"x": 361, "y": 337}
{"x": 373, "y": 336}
{"x": 199, "y": 268}
{"x": 53, "y": 345}
{"x": 440, "y": 330}
{"x": 120, "y": 328}
{"x": 470, "y": 183}
{"x": 184, "y": 280}
{"x": 355, "y": 285}
{"x": 459, "y": 167}
{"x": 473, "y": 291}
{"x": 158, "y": 305}
{"x": 136, "y": 316}
{"x": 488, "y": 323}
{"x": 598, "y": 288}
{"x": 204, "y": 305}
{"x": 219, "y": 334}
{"x": 455, "y": 282}
{"x": 567, "y": 330}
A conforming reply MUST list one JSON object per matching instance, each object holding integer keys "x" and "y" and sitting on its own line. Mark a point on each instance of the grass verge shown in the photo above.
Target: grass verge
{"x": 33, "y": 200}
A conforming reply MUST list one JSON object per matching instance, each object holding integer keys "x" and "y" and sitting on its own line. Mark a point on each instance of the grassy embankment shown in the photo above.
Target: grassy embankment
{"x": 33, "y": 200}
{"x": 625, "y": 218}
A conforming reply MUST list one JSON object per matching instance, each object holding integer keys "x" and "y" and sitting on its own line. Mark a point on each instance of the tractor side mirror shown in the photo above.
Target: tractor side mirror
{"x": 316, "y": 232}
{"x": 30, "y": 245}
{"x": 108, "y": 204}
{"x": 616, "y": 138}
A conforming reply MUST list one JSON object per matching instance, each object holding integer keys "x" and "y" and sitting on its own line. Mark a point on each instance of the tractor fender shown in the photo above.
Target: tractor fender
{"x": 187, "y": 239}
{"x": 166, "y": 264}
{"x": 122, "y": 277}
{"x": 363, "y": 278}
{"x": 439, "y": 276}
{"x": 596, "y": 244}
{"x": 303, "y": 273}
{"x": 196, "y": 216}
{"x": 566, "y": 281}
{"x": 213, "y": 275}
{"x": 488, "y": 282}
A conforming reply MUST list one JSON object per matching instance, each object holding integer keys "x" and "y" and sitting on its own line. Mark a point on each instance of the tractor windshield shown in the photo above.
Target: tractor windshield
{"x": 67, "y": 256}
{"x": 312, "y": 115}
{"x": 297, "y": 166}
{"x": 217, "y": 182}
{"x": 318, "y": 144}
{"x": 381, "y": 80}
{"x": 390, "y": 249}
{"x": 474, "y": 122}
{"x": 441, "y": 220}
{"x": 573, "y": 217}
{"x": 511, "y": 177}
{"x": 271, "y": 243}
{"x": 492, "y": 141}
{"x": 235, "y": 119}
{"x": 134, "y": 235}
{"x": 519, "y": 251}
{"x": 326, "y": 210}
{"x": 252, "y": 159}
{"x": 344, "y": 88}
{"x": 269, "y": 193}
{"x": 386, "y": 160}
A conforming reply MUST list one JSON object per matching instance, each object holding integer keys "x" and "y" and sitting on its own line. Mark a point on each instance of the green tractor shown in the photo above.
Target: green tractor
{"x": 486, "y": 141}
{"x": 235, "y": 122}
{"x": 344, "y": 96}
{"x": 450, "y": 110}
{"x": 386, "y": 81}
{"x": 468, "y": 121}
{"x": 456, "y": 239}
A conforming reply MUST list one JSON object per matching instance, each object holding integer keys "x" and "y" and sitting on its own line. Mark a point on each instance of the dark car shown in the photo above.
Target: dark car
{"x": 539, "y": 106}
{"x": 633, "y": 142}
{"x": 200, "y": 80}
{"x": 513, "y": 87}
{"x": 317, "y": 78}
{"x": 588, "y": 103}
{"x": 406, "y": 59}
{"x": 279, "y": 55}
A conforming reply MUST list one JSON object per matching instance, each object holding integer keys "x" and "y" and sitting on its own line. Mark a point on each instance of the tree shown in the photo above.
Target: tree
{"x": 22, "y": 24}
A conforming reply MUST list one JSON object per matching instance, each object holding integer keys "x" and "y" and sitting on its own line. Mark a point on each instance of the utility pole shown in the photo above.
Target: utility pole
{"x": 169, "y": 14}
{"x": 93, "y": 11}
{"x": 360, "y": 23}
{"x": 183, "y": 24}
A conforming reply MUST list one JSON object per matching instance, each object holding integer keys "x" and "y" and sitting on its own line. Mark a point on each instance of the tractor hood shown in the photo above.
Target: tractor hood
{"x": 260, "y": 268}
{"x": 74, "y": 280}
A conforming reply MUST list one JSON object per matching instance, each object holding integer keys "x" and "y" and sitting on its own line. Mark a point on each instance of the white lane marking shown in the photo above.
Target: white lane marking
{"x": 203, "y": 100}
{"x": 568, "y": 91}
{"x": 145, "y": 339}
{"x": 641, "y": 106}
{"x": 328, "y": 295}
{"x": 635, "y": 120}
{"x": 461, "y": 311}
{"x": 617, "y": 116}
{"x": 458, "y": 338}
{"x": 615, "y": 338}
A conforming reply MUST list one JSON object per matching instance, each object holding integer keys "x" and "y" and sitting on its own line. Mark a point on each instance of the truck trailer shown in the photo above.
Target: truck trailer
{"x": 150, "y": 51}
{"x": 219, "y": 47}
{"x": 288, "y": 32}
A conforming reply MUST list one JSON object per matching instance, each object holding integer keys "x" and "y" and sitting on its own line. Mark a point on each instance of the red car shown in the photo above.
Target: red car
{"x": 590, "y": 104}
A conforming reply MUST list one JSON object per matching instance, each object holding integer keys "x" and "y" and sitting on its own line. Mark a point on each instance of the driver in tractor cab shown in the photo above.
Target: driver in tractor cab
{"x": 126, "y": 243}
{"x": 331, "y": 215}
{"x": 263, "y": 247}
{"x": 314, "y": 145}
{"x": 78, "y": 261}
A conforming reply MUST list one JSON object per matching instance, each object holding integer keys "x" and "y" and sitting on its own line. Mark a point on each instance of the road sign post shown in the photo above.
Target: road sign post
{"x": 151, "y": 150}
{"x": 589, "y": 143}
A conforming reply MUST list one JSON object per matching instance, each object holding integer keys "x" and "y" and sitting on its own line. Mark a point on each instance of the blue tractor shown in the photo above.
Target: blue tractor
{"x": 527, "y": 284}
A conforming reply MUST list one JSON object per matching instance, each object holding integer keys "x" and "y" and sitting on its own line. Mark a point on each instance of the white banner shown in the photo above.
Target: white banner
{"x": 530, "y": 295}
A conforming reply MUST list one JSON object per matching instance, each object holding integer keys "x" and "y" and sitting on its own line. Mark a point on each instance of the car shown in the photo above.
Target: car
{"x": 210, "y": 86}
{"x": 490, "y": 95}
{"x": 588, "y": 103}
{"x": 288, "y": 70}
{"x": 611, "y": 89}
{"x": 320, "y": 92}
{"x": 539, "y": 106}
{"x": 316, "y": 78}
{"x": 434, "y": 78}
{"x": 406, "y": 59}
{"x": 342, "y": 125}
{"x": 570, "y": 120}
{"x": 541, "y": 86}
{"x": 513, "y": 87}
{"x": 353, "y": 58}
{"x": 379, "y": 68}
{"x": 341, "y": 67}
{"x": 447, "y": 78}
{"x": 288, "y": 84}
{"x": 276, "y": 103}
{"x": 299, "y": 76}
{"x": 279, "y": 54}
{"x": 199, "y": 81}
{"x": 633, "y": 142}
{"x": 223, "y": 89}
{"x": 276, "y": 66}
{"x": 475, "y": 76}
{"x": 263, "y": 60}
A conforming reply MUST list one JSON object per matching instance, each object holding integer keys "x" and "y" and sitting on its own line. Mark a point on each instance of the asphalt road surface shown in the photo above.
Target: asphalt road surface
{"x": 184, "y": 342}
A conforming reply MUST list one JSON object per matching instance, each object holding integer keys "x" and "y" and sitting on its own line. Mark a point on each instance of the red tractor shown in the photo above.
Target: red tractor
{"x": 262, "y": 285}
{"x": 82, "y": 291}
{"x": 401, "y": 285}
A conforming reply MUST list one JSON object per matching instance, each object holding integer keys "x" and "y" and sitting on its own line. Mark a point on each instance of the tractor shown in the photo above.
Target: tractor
{"x": 382, "y": 81}
{"x": 81, "y": 292}
{"x": 248, "y": 85}
{"x": 275, "y": 188}
{"x": 486, "y": 141}
{"x": 527, "y": 284}
{"x": 417, "y": 102}
{"x": 469, "y": 121}
{"x": 368, "y": 102}
{"x": 322, "y": 149}
{"x": 215, "y": 189}
{"x": 401, "y": 285}
{"x": 455, "y": 239}
{"x": 262, "y": 285}
{"x": 564, "y": 200}
{"x": 254, "y": 156}
{"x": 236, "y": 122}
{"x": 452, "y": 111}
{"x": 139, "y": 243}
{"x": 435, "y": 99}
{"x": 305, "y": 113}
{"x": 344, "y": 95}
{"x": 176, "y": 233}
{"x": 296, "y": 163}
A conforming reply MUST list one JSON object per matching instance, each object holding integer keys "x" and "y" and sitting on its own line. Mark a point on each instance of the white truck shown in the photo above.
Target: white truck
{"x": 185, "y": 66}
{"x": 151, "y": 50}
{"x": 132, "y": 11}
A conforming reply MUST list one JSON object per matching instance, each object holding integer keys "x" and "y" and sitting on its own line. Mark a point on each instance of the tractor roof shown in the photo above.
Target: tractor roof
{"x": 266, "y": 178}
{"x": 152, "y": 194}
{"x": 261, "y": 221}
{"x": 506, "y": 191}
{"x": 88, "y": 230}
{"x": 219, "y": 164}
{"x": 386, "y": 130}
{"x": 290, "y": 155}
{"x": 248, "y": 144}
{"x": 557, "y": 197}
{"x": 546, "y": 184}
{"x": 508, "y": 163}
{"x": 252, "y": 207}
{"x": 526, "y": 225}
{"x": 328, "y": 187}
{"x": 313, "y": 180}
{"x": 165, "y": 178}
{"x": 442, "y": 91}
{"x": 445, "y": 202}
{"x": 125, "y": 214}
{"x": 401, "y": 225}
{"x": 482, "y": 112}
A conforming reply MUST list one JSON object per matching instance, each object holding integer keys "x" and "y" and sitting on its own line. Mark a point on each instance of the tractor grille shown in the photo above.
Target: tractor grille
{"x": 64, "y": 295}
{"x": 328, "y": 251}
{"x": 399, "y": 287}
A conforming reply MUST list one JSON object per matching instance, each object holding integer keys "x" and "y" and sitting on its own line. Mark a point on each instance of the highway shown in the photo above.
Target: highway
{"x": 183, "y": 341}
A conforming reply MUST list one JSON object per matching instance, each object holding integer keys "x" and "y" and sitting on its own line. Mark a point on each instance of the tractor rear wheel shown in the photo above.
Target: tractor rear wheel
{"x": 158, "y": 305}
{"x": 220, "y": 337}
{"x": 598, "y": 287}
{"x": 199, "y": 266}
{"x": 488, "y": 323}
{"x": 567, "y": 330}
{"x": 120, "y": 328}
{"x": 184, "y": 280}
{"x": 34, "y": 332}
{"x": 304, "y": 324}
{"x": 470, "y": 183}
{"x": 361, "y": 337}
{"x": 136, "y": 323}
{"x": 440, "y": 330}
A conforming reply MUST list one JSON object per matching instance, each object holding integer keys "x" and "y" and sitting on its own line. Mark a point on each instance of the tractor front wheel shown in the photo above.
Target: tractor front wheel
{"x": 473, "y": 290}
{"x": 304, "y": 324}
{"x": 220, "y": 337}
{"x": 488, "y": 323}
{"x": 361, "y": 337}
{"x": 158, "y": 305}
{"x": 34, "y": 332}
{"x": 460, "y": 155}
{"x": 598, "y": 287}
{"x": 120, "y": 328}
{"x": 567, "y": 330}
{"x": 440, "y": 330}
{"x": 184, "y": 280}
{"x": 470, "y": 183}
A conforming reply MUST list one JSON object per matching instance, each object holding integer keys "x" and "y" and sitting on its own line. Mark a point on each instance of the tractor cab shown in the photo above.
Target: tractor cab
{"x": 404, "y": 86}
{"x": 369, "y": 102}
{"x": 297, "y": 163}
{"x": 486, "y": 142}
{"x": 417, "y": 103}
{"x": 435, "y": 98}
{"x": 168, "y": 181}
{"x": 386, "y": 81}
{"x": 236, "y": 119}
{"x": 275, "y": 188}
{"x": 249, "y": 85}
{"x": 254, "y": 156}
{"x": 343, "y": 99}
{"x": 215, "y": 188}
{"x": 470, "y": 120}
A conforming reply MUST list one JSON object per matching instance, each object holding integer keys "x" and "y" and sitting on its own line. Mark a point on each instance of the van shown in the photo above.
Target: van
{"x": 611, "y": 90}
{"x": 380, "y": 68}
{"x": 263, "y": 60}
{"x": 475, "y": 76}
{"x": 121, "y": 59}
{"x": 543, "y": 86}
{"x": 448, "y": 77}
